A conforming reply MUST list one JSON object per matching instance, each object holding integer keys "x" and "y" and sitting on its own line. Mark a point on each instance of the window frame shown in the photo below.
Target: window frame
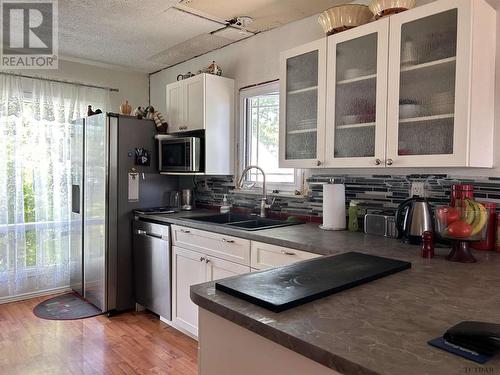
{"x": 243, "y": 154}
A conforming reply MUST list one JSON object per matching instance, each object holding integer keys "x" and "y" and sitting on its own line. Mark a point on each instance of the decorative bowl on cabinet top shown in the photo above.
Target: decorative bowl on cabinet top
{"x": 344, "y": 17}
{"x": 382, "y": 8}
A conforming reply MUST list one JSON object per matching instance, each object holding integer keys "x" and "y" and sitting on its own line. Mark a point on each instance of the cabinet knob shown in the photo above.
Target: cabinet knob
{"x": 207, "y": 260}
{"x": 227, "y": 241}
{"x": 378, "y": 161}
{"x": 389, "y": 162}
{"x": 318, "y": 163}
{"x": 202, "y": 259}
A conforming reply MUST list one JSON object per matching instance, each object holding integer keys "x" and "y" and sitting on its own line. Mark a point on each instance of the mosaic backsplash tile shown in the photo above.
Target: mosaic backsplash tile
{"x": 374, "y": 193}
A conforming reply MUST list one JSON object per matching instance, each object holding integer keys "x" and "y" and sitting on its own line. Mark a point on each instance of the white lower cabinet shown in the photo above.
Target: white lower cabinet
{"x": 194, "y": 262}
{"x": 264, "y": 256}
{"x": 187, "y": 269}
{"x": 191, "y": 268}
{"x": 219, "y": 269}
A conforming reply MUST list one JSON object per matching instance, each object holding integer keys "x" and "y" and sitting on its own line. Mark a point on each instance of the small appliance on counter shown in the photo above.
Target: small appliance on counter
{"x": 413, "y": 218}
{"x": 381, "y": 224}
{"x": 187, "y": 200}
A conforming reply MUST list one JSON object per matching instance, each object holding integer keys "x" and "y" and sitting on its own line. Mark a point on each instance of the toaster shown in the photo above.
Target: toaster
{"x": 381, "y": 225}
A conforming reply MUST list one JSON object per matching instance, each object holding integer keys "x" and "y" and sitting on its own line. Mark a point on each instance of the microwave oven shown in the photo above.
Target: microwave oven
{"x": 179, "y": 154}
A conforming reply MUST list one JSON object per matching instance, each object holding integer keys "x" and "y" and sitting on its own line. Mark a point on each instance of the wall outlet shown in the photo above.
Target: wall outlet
{"x": 418, "y": 188}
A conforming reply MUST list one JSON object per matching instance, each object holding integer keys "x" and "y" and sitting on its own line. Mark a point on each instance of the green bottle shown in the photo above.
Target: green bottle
{"x": 353, "y": 225}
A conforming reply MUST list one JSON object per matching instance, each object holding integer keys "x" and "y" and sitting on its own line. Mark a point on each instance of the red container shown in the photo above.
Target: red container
{"x": 459, "y": 192}
{"x": 497, "y": 246}
{"x": 427, "y": 245}
{"x": 489, "y": 242}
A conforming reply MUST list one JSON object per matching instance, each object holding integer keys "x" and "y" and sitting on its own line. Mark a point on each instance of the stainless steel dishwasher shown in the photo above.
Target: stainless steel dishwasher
{"x": 152, "y": 268}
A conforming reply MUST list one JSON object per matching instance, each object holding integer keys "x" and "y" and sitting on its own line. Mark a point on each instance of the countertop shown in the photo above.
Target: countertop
{"x": 377, "y": 328}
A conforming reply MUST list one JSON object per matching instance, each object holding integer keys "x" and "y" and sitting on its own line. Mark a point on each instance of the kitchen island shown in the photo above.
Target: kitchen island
{"x": 380, "y": 327}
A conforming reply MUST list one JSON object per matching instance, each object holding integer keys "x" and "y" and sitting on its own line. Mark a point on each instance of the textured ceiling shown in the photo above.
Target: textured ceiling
{"x": 129, "y": 33}
{"x": 267, "y": 14}
{"x": 148, "y": 35}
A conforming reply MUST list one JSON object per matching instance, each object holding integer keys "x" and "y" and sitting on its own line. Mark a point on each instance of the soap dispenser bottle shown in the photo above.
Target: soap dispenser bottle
{"x": 225, "y": 207}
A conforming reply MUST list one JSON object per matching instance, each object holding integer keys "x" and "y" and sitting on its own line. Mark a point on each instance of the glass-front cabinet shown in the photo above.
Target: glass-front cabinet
{"x": 302, "y": 105}
{"x": 415, "y": 89}
{"x": 433, "y": 83}
{"x": 357, "y": 96}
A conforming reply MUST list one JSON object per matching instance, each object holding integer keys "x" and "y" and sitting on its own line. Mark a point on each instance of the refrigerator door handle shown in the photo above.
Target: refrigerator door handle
{"x": 75, "y": 199}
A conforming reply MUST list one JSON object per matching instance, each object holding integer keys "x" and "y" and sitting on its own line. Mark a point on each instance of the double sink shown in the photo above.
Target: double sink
{"x": 244, "y": 222}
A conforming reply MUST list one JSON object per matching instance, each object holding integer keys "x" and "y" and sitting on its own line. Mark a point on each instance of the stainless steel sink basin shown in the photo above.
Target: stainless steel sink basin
{"x": 245, "y": 222}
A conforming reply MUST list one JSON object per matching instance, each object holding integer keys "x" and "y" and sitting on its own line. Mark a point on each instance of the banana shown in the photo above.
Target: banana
{"x": 480, "y": 219}
{"x": 470, "y": 211}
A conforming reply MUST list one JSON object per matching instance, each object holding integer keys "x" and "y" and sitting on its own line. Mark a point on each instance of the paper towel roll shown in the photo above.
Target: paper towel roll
{"x": 334, "y": 214}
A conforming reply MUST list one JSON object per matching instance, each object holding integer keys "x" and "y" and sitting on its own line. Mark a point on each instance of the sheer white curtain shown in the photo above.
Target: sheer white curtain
{"x": 35, "y": 180}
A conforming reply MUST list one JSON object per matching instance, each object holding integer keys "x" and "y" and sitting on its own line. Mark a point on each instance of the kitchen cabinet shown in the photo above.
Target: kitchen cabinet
{"x": 357, "y": 96}
{"x": 411, "y": 90}
{"x": 302, "y": 105}
{"x": 233, "y": 249}
{"x": 204, "y": 101}
{"x": 188, "y": 268}
{"x": 441, "y": 91}
{"x": 201, "y": 256}
{"x": 175, "y": 114}
{"x": 264, "y": 256}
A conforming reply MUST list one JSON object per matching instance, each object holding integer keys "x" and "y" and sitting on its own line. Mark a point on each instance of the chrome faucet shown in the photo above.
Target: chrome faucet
{"x": 263, "y": 201}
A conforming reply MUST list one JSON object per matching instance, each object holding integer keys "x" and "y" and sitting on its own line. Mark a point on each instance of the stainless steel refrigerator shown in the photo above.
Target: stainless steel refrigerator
{"x": 103, "y": 161}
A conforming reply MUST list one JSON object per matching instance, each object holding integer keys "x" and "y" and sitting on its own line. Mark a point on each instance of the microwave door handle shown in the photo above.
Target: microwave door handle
{"x": 193, "y": 156}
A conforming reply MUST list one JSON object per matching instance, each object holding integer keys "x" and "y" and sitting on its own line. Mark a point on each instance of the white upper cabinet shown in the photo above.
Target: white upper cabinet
{"x": 415, "y": 89}
{"x": 175, "y": 102}
{"x": 205, "y": 102}
{"x": 441, "y": 69}
{"x": 193, "y": 102}
{"x": 194, "y": 108}
{"x": 357, "y": 96}
{"x": 302, "y": 105}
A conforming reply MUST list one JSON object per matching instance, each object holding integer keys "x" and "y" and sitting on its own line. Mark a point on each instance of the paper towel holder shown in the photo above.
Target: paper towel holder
{"x": 338, "y": 223}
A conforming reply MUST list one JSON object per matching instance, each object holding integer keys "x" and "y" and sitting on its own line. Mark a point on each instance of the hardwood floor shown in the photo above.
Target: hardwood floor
{"x": 129, "y": 343}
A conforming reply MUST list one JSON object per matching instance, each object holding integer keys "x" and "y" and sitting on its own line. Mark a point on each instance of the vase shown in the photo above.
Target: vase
{"x": 125, "y": 108}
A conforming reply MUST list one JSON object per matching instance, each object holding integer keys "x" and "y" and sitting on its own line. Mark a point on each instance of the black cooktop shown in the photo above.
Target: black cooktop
{"x": 282, "y": 288}
{"x": 156, "y": 210}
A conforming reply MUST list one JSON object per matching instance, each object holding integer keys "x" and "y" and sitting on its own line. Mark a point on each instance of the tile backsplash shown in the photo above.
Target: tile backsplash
{"x": 374, "y": 192}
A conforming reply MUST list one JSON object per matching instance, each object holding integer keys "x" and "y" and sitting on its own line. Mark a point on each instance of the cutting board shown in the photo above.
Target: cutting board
{"x": 282, "y": 288}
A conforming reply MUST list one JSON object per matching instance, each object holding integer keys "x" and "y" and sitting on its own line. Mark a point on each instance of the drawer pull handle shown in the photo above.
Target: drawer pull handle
{"x": 185, "y": 231}
{"x": 228, "y": 241}
{"x": 284, "y": 252}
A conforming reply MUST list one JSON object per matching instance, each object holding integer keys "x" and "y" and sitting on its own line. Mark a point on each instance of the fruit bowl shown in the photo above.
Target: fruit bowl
{"x": 462, "y": 224}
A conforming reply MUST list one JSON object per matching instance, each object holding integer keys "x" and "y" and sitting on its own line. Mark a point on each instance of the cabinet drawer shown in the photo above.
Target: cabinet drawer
{"x": 230, "y": 248}
{"x": 267, "y": 256}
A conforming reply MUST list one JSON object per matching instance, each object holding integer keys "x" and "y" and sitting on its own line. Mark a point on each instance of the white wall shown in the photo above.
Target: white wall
{"x": 133, "y": 86}
{"x": 256, "y": 60}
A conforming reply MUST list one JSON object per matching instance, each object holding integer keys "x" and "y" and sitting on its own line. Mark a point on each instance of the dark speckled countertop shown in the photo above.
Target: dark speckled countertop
{"x": 377, "y": 328}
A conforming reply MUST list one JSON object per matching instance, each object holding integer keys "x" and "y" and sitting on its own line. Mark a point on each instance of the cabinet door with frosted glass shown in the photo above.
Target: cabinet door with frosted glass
{"x": 429, "y": 66}
{"x": 357, "y": 96}
{"x": 302, "y": 105}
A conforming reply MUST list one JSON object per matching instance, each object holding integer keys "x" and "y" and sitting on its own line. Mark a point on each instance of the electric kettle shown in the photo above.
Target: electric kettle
{"x": 414, "y": 217}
